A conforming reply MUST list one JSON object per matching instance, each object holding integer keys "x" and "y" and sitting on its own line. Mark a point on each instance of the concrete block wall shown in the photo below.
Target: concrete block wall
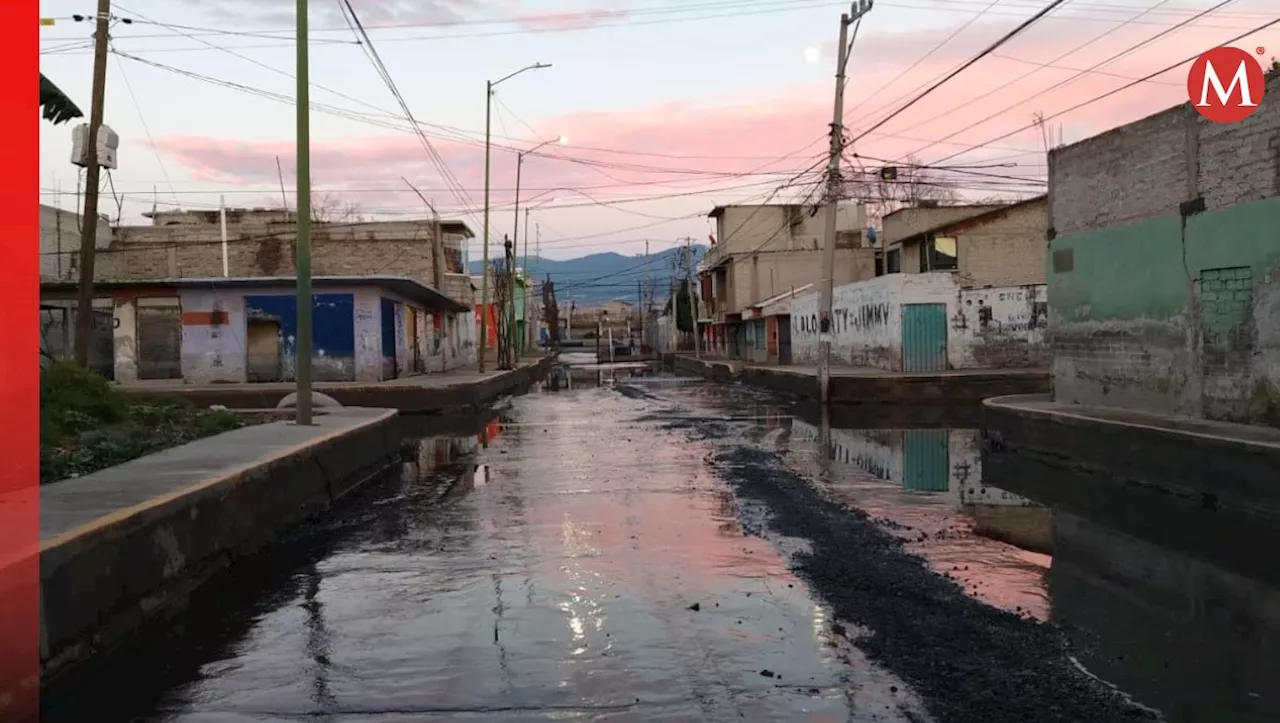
{"x": 1007, "y": 249}
{"x": 60, "y": 243}
{"x": 1165, "y": 296}
{"x": 402, "y": 248}
{"x": 989, "y": 328}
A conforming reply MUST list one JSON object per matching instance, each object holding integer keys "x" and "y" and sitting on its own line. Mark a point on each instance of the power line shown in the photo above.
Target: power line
{"x": 867, "y": 98}
{"x": 1121, "y": 89}
{"x": 964, "y": 66}
{"x": 1079, "y": 74}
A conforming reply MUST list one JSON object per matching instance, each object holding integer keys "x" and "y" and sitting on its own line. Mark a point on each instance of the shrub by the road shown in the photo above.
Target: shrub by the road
{"x": 87, "y": 425}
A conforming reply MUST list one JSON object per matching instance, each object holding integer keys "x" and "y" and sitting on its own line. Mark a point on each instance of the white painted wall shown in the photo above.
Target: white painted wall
{"x": 214, "y": 352}
{"x": 125, "y": 339}
{"x": 866, "y": 322}
{"x": 368, "y": 329}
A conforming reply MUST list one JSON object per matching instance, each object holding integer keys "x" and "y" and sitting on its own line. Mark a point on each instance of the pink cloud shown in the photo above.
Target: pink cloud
{"x": 569, "y": 20}
{"x": 662, "y": 149}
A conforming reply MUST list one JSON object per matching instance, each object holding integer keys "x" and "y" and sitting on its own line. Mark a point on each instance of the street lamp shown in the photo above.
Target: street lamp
{"x": 515, "y": 239}
{"x": 484, "y": 276}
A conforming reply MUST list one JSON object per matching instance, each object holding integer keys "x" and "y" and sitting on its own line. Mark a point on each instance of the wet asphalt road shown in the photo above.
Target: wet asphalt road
{"x": 655, "y": 550}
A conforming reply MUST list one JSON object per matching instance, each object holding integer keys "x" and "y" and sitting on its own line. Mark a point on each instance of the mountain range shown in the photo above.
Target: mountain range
{"x": 597, "y": 278}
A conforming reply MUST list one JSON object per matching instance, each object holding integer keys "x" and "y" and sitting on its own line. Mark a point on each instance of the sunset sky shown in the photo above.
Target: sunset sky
{"x": 669, "y": 108}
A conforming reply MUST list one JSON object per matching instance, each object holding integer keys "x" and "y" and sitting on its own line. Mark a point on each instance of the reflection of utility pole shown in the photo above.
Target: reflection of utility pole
{"x": 89, "y": 227}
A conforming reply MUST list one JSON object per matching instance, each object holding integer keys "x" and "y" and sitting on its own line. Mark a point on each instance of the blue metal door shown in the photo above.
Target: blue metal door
{"x": 926, "y": 461}
{"x": 924, "y": 337}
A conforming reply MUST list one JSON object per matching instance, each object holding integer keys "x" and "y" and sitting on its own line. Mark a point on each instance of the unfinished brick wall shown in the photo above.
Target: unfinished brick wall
{"x": 1005, "y": 250}
{"x": 400, "y": 248}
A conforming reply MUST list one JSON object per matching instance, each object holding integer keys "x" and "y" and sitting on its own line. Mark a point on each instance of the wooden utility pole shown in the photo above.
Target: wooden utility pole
{"x": 827, "y": 290}
{"x": 302, "y": 244}
{"x": 693, "y": 299}
{"x": 89, "y": 227}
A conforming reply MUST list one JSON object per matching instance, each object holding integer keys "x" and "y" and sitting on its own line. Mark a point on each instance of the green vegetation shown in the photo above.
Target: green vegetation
{"x": 86, "y": 425}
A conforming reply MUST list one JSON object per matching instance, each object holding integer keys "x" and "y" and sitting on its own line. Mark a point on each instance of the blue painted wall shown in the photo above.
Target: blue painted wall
{"x": 388, "y": 329}
{"x": 333, "y": 333}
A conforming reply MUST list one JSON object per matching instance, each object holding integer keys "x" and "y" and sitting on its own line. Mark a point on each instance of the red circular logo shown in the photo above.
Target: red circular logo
{"x": 1226, "y": 85}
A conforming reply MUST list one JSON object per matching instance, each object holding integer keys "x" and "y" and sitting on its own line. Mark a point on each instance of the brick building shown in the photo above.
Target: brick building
{"x": 981, "y": 244}
{"x": 244, "y": 329}
{"x": 1164, "y": 269}
{"x": 260, "y": 242}
{"x": 764, "y": 250}
{"x": 165, "y": 276}
{"x": 965, "y": 290}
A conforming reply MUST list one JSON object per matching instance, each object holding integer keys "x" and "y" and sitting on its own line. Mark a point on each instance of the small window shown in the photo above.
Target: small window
{"x": 939, "y": 255}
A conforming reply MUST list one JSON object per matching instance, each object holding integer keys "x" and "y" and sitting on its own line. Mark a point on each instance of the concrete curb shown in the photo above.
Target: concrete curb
{"x": 461, "y": 396}
{"x": 1206, "y": 495}
{"x": 872, "y": 390}
{"x": 102, "y": 581}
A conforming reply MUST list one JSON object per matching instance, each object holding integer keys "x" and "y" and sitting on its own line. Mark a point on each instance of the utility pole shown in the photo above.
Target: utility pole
{"x": 89, "y": 226}
{"x": 827, "y": 290}
{"x": 484, "y": 235}
{"x": 489, "y": 85}
{"x": 644, "y": 287}
{"x": 693, "y": 299}
{"x": 674, "y": 325}
{"x": 303, "y": 263}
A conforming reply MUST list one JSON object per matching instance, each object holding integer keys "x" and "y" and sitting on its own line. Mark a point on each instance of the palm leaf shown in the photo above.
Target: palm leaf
{"x": 55, "y": 105}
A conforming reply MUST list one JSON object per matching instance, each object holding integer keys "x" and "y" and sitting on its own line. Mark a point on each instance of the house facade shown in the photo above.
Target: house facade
{"x": 763, "y": 251}
{"x": 973, "y": 296}
{"x": 1164, "y": 266}
{"x": 244, "y": 329}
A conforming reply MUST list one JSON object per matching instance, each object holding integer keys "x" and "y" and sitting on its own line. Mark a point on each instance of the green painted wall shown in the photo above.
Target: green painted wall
{"x": 1151, "y": 318}
{"x": 1123, "y": 272}
{"x": 1137, "y": 271}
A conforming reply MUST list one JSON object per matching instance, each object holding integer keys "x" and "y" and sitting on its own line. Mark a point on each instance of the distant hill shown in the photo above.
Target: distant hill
{"x": 602, "y": 277}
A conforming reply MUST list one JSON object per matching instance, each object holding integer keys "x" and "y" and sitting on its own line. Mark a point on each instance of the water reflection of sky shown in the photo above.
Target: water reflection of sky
{"x": 927, "y": 483}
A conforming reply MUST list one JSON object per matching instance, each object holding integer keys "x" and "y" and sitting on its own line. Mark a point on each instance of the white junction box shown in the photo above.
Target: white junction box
{"x": 108, "y": 145}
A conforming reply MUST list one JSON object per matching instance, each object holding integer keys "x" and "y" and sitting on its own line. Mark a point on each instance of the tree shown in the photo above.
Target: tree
{"x": 501, "y": 312}
{"x": 331, "y": 208}
{"x": 885, "y": 190}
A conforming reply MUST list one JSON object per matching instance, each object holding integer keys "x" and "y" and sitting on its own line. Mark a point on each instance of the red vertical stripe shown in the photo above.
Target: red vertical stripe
{"x": 19, "y": 363}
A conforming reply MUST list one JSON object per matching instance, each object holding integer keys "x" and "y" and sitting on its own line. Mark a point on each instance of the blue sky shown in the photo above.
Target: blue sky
{"x": 675, "y": 102}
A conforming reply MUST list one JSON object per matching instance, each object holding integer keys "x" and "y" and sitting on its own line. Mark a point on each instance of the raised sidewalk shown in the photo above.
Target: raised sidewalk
{"x": 129, "y": 544}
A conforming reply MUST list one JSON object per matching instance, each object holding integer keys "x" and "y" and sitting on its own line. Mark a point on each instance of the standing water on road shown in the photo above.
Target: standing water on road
{"x": 629, "y": 546}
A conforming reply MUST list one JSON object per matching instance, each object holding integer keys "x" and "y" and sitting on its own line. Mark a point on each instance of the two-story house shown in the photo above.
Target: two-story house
{"x": 1000, "y": 244}
{"x": 762, "y": 251}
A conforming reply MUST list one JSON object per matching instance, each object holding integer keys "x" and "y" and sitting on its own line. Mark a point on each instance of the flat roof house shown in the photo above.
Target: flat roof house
{"x": 244, "y": 329}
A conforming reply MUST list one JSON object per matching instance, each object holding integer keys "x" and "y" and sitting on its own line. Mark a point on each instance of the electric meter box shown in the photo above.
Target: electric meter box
{"x": 108, "y": 145}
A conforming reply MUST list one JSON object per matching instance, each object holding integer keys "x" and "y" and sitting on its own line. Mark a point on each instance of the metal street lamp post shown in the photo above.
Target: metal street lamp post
{"x": 484, "y": 238}
{"x": 515, "y": 240}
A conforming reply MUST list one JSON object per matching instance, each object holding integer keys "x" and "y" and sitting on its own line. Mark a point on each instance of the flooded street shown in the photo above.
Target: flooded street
{"x": 629, "y": 546}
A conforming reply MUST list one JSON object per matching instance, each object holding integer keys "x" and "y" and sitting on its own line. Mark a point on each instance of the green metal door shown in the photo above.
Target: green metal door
{"x": 924, "y": 337}
{"x": 926, "y": 463}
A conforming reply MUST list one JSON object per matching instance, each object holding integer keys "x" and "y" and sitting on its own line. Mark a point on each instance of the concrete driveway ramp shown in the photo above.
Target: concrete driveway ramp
{"x": 317, "y": 400}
